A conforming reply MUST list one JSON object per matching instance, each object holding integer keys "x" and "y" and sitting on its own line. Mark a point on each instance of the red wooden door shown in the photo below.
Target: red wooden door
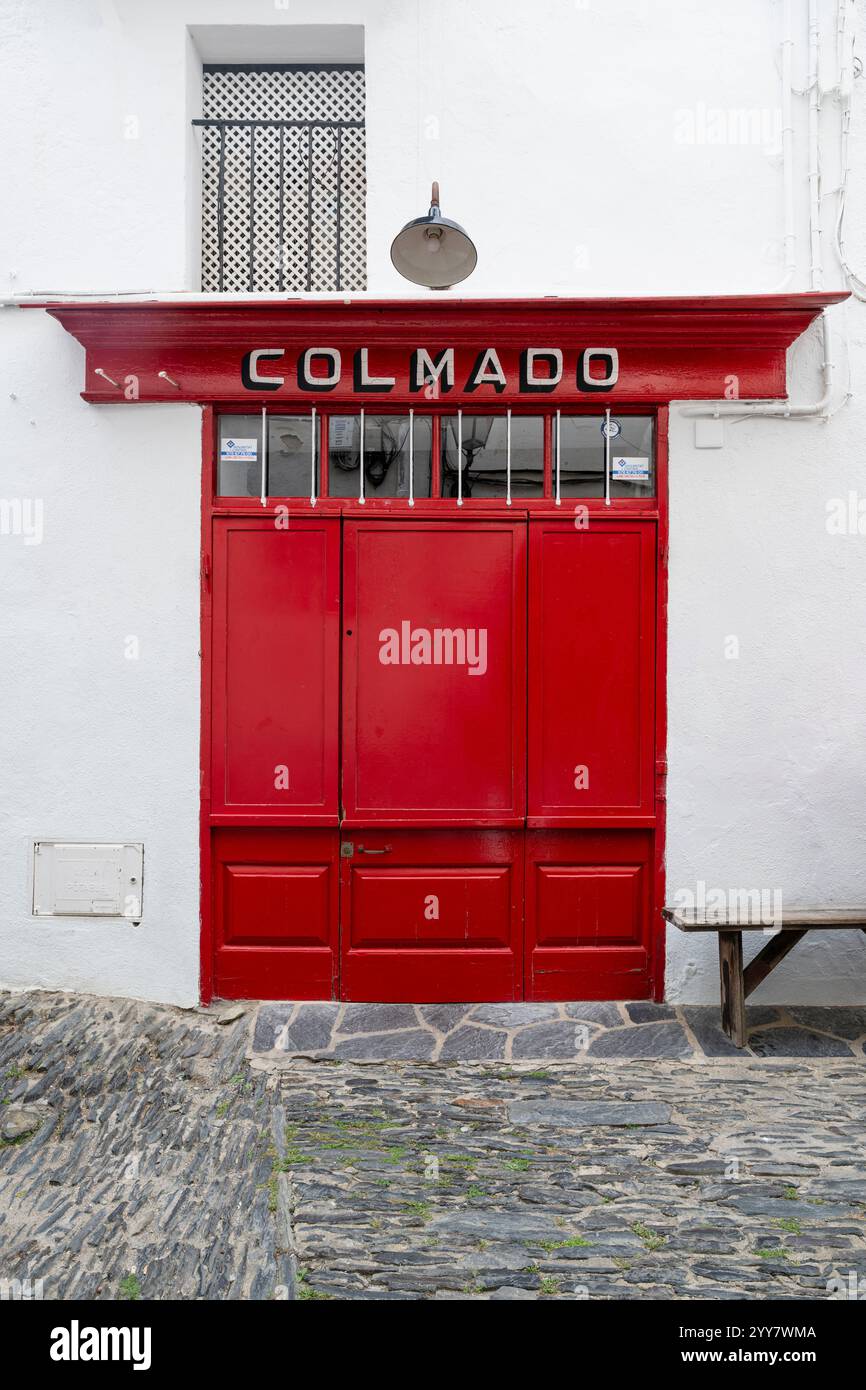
{"x": 591, "y": 784}
{"x": 428, "y": 866}
{"x": 434, "y": 673}
{"x": 275, "y": 740}
{"x": 434, "y": 709}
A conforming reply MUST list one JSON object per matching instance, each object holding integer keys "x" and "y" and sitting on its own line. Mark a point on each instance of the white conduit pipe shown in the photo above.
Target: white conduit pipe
{"x": 816, "y": 269}
{"x": 779, "y": 409}
{"x": 782, "y": 409}
{"x": 790, "y": 222}
{"x": 844, "y": 92}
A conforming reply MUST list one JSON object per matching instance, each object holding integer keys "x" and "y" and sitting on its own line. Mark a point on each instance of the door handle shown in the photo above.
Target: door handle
{"x": 362, "y": 849}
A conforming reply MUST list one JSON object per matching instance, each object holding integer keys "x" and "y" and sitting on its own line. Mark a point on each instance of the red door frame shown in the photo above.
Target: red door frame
{"x": 656, "y": 509}
{"x": 206, "y": 923}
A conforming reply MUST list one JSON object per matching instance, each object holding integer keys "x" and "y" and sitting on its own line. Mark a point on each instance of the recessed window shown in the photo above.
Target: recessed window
{"x": 481, "y": 442}
{"x": 283, "y": 178}
{"x": 582, "y": 455}
{"x": 386, "y": 456}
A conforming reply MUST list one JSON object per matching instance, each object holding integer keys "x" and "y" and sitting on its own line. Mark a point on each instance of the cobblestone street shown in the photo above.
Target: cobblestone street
{"x": 150, "y": 1153}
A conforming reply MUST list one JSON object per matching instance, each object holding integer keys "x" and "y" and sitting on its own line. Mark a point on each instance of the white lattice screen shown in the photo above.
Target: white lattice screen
{"x": 283, "y": 179}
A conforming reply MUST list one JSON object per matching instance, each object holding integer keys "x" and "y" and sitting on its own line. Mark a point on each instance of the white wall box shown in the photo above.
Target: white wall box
{"x": 87, "y": 880}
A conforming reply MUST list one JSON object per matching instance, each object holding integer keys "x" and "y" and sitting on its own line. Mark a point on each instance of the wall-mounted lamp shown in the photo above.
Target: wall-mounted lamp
{"x": 433, "y": 251}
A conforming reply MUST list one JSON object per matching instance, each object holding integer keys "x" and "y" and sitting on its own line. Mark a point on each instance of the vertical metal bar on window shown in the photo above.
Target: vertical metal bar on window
{"x": 411, "y": 458}
{"x": 264, "y": 496}
{"x": 252, "y": 207}
{"x": 607, "y": 457}
{"x": 508, "y": 457}
{"x": 313, "y": 458}
{"x": 362, "y": 497}
{"x": 338, "y": 199}
{"x": 310, "y": 208}
{"x": 221, "y": 212}
{"x": 558, "y": 443}
{"x": 281, "y": 243}
{"x": 460, "y": 458}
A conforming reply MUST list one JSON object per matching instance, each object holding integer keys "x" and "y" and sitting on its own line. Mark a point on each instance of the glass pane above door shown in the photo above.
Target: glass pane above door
{"x": 483, "y": 447}
{"x": 386, "y": 455}
{"x": 582, "y": 456}
{"x": 290, "y": 461}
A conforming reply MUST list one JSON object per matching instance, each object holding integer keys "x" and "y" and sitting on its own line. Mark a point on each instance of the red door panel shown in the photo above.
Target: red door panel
{"x": 588, "y": 897}
{"x": 432, "y": 916}
{"x": 276, "y": 907}
{"x": 276, "y": 671}
{"x": 591, "y": 673}
{"x": 418, "y": 907}
{"x": 434, "y": 673}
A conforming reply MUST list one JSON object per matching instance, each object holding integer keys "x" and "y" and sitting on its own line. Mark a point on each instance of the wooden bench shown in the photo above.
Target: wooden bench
{"x": 784, "y": 933}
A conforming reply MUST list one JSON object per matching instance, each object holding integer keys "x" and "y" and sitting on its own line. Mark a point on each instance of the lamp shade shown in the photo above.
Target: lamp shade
{"x": 433, "y": 250}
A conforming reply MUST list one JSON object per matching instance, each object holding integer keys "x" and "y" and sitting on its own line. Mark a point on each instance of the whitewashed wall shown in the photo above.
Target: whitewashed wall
{"x": 557, "y": 132}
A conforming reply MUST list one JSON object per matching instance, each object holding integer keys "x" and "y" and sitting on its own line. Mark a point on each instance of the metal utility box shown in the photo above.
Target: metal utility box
{"x": 87, "y": 880}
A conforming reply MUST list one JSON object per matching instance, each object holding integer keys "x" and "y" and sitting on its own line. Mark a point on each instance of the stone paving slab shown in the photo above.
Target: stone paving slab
{"x": 547, "y": 1032}
{"x": 150, "y": 1153}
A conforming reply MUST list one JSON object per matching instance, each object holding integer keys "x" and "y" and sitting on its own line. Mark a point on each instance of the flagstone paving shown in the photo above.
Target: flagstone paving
{"x": 535, "y": 1032}
{"x": 153, "y": 1152}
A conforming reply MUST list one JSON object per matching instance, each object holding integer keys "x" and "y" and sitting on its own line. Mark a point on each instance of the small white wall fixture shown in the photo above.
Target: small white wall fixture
{"x": 72, "y": 879}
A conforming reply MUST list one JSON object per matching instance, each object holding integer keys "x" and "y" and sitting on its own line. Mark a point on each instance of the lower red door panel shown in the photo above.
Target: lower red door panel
{"x": 432, "y": 916}
{"x": 588, "y": 900}
{"x": 276, "y": 896}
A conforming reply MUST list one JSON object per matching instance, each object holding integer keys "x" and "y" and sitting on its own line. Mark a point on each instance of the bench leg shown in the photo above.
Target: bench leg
{"x": 732, "y": 988}
{"x": 768, "y": 958}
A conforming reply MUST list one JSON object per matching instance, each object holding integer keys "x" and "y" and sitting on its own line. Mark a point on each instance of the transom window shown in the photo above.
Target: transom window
{"x": 462, "y": 456}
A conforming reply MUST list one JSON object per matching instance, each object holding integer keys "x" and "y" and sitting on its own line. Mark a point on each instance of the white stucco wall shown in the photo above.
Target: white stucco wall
{"x": 553, "y": 128}
{"x": 767, "y": 751}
